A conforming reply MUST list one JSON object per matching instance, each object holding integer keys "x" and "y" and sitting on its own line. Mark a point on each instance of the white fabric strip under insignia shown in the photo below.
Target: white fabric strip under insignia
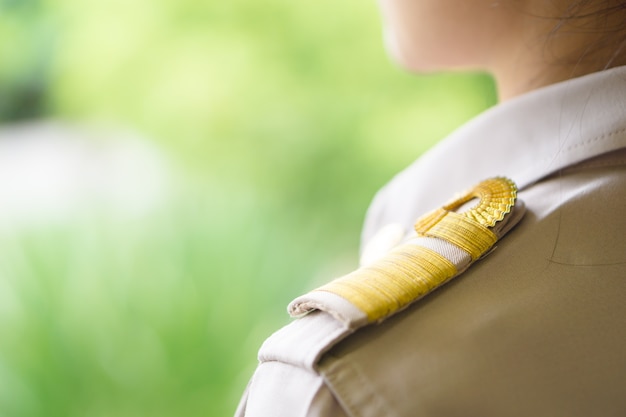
{"x": 451, "y": 252}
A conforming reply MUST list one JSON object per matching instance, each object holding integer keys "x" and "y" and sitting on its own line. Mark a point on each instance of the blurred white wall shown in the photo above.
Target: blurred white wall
{"x": 52, "y": 171}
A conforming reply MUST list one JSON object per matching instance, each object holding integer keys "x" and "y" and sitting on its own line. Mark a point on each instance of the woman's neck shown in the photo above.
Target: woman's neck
{"x": 549, "y": 49}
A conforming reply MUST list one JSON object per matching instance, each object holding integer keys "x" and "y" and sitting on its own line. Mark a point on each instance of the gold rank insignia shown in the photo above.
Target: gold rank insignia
{"x": 446, "y": 242}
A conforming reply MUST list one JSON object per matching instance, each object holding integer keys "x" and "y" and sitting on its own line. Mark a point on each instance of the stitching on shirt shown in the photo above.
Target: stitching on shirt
{"x": 597, "y": 138}
{"x": 615, "y": 162}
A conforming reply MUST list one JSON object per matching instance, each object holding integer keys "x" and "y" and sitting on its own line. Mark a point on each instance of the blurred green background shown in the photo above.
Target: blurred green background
{"x": 277, "y": 121}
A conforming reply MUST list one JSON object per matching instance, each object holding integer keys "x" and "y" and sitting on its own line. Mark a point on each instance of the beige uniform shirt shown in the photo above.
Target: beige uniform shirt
{"x": 537, "y": 328}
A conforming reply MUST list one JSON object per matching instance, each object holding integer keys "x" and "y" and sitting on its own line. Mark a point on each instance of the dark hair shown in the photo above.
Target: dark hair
{"x": 604, "y": 18}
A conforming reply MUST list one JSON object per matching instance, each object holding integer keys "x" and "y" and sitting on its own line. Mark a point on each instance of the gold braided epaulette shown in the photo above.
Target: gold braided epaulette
{"x": 447, "y": 241}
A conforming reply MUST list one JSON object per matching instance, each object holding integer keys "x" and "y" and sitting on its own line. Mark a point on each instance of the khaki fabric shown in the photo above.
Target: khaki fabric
{"x": 538, "y": 327}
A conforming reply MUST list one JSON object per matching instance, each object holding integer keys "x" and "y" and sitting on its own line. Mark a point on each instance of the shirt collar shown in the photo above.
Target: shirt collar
{"x": 525, "y": 139}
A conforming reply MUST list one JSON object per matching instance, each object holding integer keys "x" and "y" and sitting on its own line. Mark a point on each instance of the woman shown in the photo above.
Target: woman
{"x": 535, "y": 328}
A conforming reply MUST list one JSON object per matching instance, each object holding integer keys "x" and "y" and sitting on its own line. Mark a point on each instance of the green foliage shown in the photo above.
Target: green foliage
{"x": 151, "y": 318}
{"x": 285, "y": 116}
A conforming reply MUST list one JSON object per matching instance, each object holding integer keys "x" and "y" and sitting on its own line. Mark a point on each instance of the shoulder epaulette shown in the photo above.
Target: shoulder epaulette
{"x": 446, "y": 242}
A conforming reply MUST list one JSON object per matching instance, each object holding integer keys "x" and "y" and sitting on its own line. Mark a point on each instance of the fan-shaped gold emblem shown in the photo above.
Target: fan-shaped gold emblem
{"x": 496, "y": 197}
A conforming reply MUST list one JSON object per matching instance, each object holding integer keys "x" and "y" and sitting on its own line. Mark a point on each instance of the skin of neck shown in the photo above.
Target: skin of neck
{"x": 546, "y": 46}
